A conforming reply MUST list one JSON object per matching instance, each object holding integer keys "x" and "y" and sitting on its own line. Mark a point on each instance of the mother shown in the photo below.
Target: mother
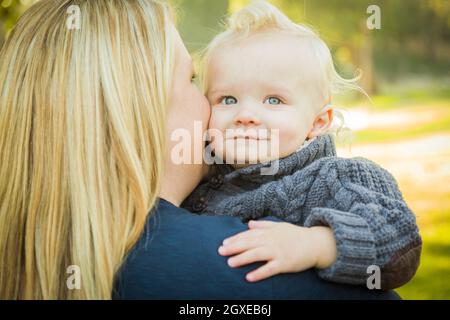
{"x": 84, "y": 116}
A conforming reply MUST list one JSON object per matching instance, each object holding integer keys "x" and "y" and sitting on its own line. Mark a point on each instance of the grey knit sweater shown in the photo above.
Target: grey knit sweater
{"x": 358, "y": 199}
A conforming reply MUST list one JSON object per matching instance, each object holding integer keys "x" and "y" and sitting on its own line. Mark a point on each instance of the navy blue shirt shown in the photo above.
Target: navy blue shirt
{"x": 176, "y": 258}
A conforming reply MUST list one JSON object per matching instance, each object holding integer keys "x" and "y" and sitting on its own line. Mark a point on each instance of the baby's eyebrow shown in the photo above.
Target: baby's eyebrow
{"x": 281, "y": 92}
{"x": 277, "y": 89}
{"x": 272, "y": 86}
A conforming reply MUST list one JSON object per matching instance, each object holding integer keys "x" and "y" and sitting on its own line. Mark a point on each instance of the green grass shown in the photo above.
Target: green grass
{"x": 411, "y": 97}
{"x": 397, "y": 98}
{"x": 431, "y": 280}
{"x": 368, "y": 136}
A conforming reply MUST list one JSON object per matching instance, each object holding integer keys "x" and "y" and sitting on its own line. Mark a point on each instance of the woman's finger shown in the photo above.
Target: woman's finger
{"x": 249, "y": 256}
{"x": 268, "y": 270}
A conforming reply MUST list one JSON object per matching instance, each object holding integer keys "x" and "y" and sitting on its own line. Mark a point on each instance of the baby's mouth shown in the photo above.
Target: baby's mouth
{"x": 260, "y": 135}
{"x": 248, "y": 138}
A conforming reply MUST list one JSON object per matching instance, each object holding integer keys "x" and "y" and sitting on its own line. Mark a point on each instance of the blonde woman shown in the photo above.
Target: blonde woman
{"x": 84, "y": 116}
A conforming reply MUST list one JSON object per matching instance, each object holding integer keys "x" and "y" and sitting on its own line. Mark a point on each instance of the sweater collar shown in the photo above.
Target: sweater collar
{"x": 320, "y": 147}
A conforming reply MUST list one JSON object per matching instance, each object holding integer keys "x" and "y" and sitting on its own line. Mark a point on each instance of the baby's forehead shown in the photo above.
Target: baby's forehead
{"x": 255, "y": 45}
{"x": 268, "y": 53}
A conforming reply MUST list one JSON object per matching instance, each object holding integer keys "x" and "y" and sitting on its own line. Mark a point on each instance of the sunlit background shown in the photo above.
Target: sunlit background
{"x": 406, "y": 126}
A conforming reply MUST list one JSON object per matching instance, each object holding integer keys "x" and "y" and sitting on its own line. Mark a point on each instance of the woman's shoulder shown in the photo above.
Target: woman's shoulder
{"x": 170, "y": 223}
{"x": 176, "y": 257}
{"x": 167, "y": 212}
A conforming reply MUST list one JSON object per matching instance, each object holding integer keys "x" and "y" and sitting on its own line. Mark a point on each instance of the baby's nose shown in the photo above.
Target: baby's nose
{"x": 247, "y": 118}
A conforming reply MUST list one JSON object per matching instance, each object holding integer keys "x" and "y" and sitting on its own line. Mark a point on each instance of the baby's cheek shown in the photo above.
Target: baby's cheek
{"x": 288, "y": 133}
{"x": 215, "y": 121}
{"x": 291, "y": 138}
{"x": 216, "y": 134}
{"x": 212, "y": 124}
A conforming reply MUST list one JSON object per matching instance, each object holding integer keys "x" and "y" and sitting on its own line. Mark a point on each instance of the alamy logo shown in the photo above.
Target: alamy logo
{"x": 74, "y": 280}
{"x": 374, "y": 280}
{"x": 374, "y": 20}
{"x": 74, "y": 19}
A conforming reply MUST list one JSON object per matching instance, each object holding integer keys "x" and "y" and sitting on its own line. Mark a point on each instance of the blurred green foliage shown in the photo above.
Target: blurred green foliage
{"x": 10, "y": 10}
{"x": 414, "y": 39}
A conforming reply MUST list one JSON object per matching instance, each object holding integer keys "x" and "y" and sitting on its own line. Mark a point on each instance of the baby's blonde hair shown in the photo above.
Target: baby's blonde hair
{"x": 261, "y": 16}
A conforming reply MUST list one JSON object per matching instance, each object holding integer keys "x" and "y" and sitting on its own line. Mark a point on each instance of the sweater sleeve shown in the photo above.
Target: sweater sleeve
{"x": 371, "y": 223}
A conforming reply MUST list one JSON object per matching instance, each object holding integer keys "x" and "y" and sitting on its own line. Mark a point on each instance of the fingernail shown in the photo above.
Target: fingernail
{"x": 231, "y": 262}
{"x": 222, "y": 250}
{"x": 225, "y": 241}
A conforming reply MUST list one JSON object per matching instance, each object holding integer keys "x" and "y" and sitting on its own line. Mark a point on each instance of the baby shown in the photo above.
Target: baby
{"x": 267, "y": 74}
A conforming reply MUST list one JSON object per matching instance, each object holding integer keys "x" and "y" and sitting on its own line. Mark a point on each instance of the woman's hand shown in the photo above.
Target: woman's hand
{"x": 285, "y": 247}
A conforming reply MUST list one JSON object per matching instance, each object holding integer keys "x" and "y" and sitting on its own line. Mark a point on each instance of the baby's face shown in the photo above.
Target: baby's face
{"x": 267, "y": 82}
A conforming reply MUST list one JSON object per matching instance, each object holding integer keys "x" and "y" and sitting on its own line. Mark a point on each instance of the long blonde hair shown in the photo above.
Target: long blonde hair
{"x": 82, "y": 114}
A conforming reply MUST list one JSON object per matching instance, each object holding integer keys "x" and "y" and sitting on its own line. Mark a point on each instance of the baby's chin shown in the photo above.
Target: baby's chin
{"x": 243, "y": 157}
{"x": 239, "y": 161}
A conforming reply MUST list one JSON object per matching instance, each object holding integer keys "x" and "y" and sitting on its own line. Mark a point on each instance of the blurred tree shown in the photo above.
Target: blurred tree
{"x": 410, "y": 29}
{"x": 200, "y": 20}
{"x": 414, "y": 36}
{"x": 342, "y": 25}
{"x": 10, "y": 10}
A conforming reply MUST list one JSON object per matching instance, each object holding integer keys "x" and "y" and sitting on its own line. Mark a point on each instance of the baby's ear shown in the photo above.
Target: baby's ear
{"x": 322, "y": 123}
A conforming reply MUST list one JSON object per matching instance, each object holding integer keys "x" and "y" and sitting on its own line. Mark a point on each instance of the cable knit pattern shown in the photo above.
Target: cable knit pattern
{"x": 358, "y": 199}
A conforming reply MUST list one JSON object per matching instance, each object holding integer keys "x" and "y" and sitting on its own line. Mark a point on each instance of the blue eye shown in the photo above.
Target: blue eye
{"x": 228, "y": 100}
{"x": 273, "y": 101}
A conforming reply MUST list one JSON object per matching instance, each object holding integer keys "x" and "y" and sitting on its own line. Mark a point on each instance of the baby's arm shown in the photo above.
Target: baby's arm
{"x": 373, "y": 225}
{"x": 370, "y": 222}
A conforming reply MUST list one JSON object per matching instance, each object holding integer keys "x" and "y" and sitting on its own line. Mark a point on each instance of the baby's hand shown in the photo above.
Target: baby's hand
{"x": 285, "y": 247}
